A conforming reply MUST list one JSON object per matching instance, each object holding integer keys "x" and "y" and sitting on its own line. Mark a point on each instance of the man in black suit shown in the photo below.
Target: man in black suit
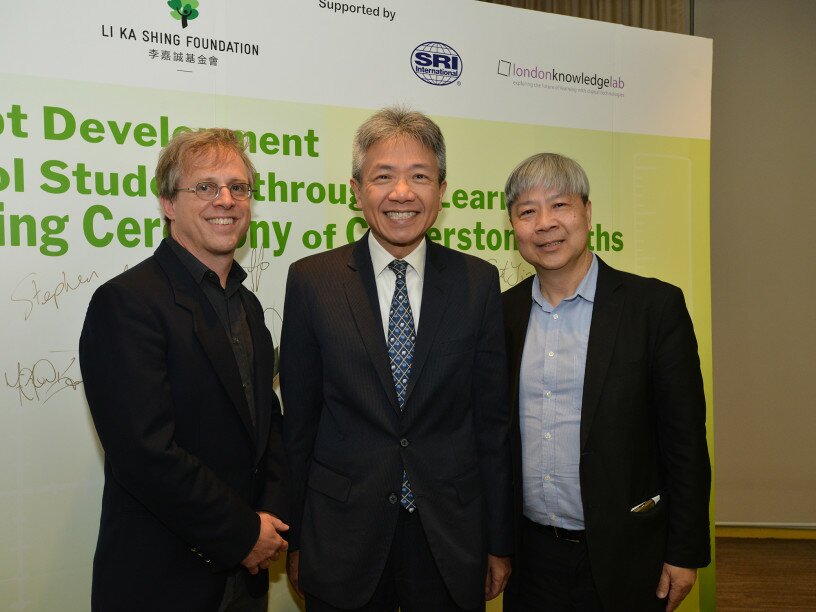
{"x": 178, "y": 366}
{"x": 394, "y": 395}
{"x": 611, "y": 468}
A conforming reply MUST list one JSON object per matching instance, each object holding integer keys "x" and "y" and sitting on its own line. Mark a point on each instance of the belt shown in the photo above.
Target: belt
{"x": 568, "y": 535}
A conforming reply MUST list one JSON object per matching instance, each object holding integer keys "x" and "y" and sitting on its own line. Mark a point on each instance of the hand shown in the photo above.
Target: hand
{"x": 269, "y": 545}
{"x": 675, "y": 582}
{"x": 498, "y": 571}
{"x": 293, "y": 570}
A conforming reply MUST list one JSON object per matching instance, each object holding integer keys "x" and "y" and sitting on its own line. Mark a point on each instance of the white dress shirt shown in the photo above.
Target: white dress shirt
{"x": 386, "y": 278}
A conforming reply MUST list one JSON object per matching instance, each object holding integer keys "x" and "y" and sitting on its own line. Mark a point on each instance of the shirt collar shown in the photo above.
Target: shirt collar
{"x": 585, "y": 290}
{"x": 197, "y": 269}
{"x": 380, "y": 258}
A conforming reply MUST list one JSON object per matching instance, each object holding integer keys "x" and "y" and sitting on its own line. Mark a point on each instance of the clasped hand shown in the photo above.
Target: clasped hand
{"x": 269, "y": 546}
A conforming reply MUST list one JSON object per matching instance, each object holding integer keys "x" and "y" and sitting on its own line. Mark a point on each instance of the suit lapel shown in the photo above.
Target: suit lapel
{"x": 517, "y": 317}
{"x": 516, "y": 306}
{"x": 361, "y": 293}
{"x": 435, "y": 289}
{"x": 263, "y": 359}
{"x": 603, "y": 331}
{"x": 208, "y": 329}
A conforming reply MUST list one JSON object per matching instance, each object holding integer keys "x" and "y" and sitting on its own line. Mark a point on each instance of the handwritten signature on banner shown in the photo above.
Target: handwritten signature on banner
{"x": 41, "y": 381}
{"x": 512, "y": 273}
{"x": 257, "y": 266}
{"x": 29, "y": 293}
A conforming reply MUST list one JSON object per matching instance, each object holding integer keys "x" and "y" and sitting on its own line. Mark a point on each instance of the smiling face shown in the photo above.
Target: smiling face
{"x": 399, "y": 193}
{"x": 552, "y": 230}
{"x": 210, "y": 230}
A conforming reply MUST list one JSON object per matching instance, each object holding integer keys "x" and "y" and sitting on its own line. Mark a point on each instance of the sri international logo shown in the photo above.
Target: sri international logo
{"x": 436, "y": 63}
{"x": 183, "y": 10}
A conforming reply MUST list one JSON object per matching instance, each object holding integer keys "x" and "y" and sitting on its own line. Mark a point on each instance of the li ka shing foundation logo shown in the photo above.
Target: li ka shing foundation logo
{"x": 183, "y": 10}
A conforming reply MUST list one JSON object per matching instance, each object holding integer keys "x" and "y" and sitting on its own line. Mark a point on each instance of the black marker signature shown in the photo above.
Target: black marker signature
{"x": 257, "y": 266}
{"x": 512, "y": 273}
{"x": 29, "y": 293}
{"x": 41, "y": 381}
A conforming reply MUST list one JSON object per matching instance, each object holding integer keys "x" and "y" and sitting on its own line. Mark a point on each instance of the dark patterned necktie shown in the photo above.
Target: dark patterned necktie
{"x": 401, "y": 339}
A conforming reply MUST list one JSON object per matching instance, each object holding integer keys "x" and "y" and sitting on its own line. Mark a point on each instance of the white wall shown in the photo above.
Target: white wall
{"x": 763, "y": 224}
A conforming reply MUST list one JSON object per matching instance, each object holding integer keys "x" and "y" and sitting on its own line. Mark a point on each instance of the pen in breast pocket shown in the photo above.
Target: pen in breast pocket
{"x": 647, "y": 505}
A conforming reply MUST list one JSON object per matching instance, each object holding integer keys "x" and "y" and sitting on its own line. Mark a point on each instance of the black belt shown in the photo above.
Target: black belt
{"x": 568, "y": 535}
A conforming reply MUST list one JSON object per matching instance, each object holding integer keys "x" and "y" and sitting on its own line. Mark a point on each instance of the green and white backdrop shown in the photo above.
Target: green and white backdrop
{"x": 90, "y": 92}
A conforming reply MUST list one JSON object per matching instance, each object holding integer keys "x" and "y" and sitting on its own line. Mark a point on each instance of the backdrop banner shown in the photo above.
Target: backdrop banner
{"x": 89, "y": 93}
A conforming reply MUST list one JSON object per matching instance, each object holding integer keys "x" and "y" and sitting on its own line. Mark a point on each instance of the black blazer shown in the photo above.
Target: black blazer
{"x": 642, "y": 434}
{"x": 347, "y": 442}
{"x": 185, "y": 470}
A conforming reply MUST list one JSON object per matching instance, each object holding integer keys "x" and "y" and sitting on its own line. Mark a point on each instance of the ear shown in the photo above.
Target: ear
{"x": 355, "y": 188}
{"x": 442, "y": 187}
{"x": 589, "y": 214}
{"x": 169, "y": 208}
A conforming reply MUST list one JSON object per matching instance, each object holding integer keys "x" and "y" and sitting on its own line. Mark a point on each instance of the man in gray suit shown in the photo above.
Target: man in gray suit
{"x": 394, "y": 390}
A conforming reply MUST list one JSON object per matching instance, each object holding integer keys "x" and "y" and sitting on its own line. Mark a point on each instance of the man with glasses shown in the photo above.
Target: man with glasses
{"x": 177, "y": 365}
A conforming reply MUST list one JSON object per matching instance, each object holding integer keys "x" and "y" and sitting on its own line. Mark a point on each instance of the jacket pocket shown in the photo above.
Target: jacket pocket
{"x": 468, "y": 486}
{"x": 460, "y": 345}
{"x": 329, "y": 482}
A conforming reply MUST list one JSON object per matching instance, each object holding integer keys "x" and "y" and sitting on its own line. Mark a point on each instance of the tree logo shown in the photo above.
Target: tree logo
{"x": 183, "y": 10}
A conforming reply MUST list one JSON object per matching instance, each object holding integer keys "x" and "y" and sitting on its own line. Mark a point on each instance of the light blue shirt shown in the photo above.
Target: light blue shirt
{"x": 551, "y": 391}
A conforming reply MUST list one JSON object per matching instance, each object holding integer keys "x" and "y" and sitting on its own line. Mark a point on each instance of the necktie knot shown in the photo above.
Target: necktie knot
{"x": 399, "y": 266}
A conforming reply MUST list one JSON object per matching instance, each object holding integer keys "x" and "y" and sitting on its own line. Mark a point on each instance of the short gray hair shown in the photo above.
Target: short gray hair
{"x": 393, "y": 122}
{"x": 547, "y": 171}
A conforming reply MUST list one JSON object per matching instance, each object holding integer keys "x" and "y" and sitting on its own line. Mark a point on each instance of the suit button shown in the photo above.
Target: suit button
{"x": 393, "y": 499}
{"x": 404, "y": 442}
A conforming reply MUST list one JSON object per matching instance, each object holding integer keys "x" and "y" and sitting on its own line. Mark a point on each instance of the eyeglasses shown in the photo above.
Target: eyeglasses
{"x": 208, "y": 191}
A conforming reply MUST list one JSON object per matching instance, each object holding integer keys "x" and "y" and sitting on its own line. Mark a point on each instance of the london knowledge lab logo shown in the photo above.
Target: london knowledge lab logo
{"x": 183, "y": 10}
{"x": 436, "y": 63}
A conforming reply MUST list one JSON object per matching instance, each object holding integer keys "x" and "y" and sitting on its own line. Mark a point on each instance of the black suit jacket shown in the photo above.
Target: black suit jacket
{"x": 185, "y": 470}
{"x": 347, "y": 441}
{"x": 642, "y": 434}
